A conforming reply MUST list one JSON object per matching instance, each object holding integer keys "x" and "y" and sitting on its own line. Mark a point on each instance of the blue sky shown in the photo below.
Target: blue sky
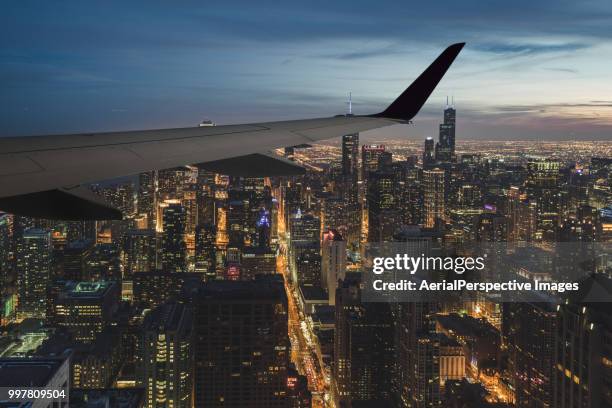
{"x": 531, "y": 69}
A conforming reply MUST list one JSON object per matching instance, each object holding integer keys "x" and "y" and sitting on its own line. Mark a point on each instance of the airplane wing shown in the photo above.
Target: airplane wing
{"x": 40, "y": 175}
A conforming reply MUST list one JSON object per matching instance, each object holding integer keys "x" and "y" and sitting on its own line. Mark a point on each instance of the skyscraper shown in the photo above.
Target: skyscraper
{"x": 350, "y": 155}
{"x": 370, "y": 155}
{"x": 5, "y": 249}
{"x": 174, "y": 255}
{"x": 205, "y": 250}
{"x": 241, "y": 344}
{"x": 363, "y": 347}
{"x": 139, "y": 252}
{"x": 384, "y": 215}
{"x": 445, "y": 148}
{"x": 429, "y": 157}
{"x": 305, "y": 243}
{"x": 165, "y": 369}
{"x": 583, "y": 350}
{"x": 76, "y": 254}
{"x": 542, "y": 187}
{"x": 86, "y": 308}
{"x": 433, "y": 197}
{"x": 33, "y": 262}
{"x": 146, "y": 196}
{"x": 333, "y": 262}
{"x": 530, "y": 330}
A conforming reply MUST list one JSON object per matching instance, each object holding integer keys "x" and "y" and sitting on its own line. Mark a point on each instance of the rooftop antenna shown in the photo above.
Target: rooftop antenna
{"x": 350, "y": 104}
{"x": 447, "y": 101}
{"x": 453, "y": 101}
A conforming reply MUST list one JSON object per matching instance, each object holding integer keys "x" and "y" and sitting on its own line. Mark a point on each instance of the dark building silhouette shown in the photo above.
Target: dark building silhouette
{"x": 583, "y": 350}
{"x": 33, "y": 266}
{"x": 364, "y": 349}
{"x": 174, "y": 254}
{"x": 241, "y": 344}
{"x": 165, "y": 366}
{"x": 350, "y": 155}
{"x": 206, "y": 250}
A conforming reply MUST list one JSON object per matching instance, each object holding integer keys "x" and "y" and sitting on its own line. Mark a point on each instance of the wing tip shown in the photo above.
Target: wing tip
{"x": 408, "y": 104}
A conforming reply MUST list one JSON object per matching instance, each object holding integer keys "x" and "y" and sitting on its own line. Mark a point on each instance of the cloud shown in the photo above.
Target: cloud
{"x": 529, "y": 48}
{"x": 385, "y": 51}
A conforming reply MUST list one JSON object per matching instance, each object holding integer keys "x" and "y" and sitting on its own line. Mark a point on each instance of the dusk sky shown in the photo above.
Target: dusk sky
{"x": 530, "y": 69}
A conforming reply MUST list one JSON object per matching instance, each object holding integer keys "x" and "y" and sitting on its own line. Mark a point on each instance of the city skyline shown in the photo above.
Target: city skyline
{"x": 531, "y": 72}
{"x": 218, "y": 291}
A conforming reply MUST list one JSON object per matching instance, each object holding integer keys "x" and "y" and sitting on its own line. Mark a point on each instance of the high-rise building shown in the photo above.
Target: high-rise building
{"x": 333, "y": 262}
{"x": 241, "y": 344}
{"x": 33, "y": 265}
{"x": 350, "y": 155}
{"x": 415, "y": 340}
{"x": 429, "y": 157}
{"x": 542, "y": 188}
{"x": 174, "y": 252}
{"x": 445, "y": 148}
{"x": 583, "y": 347}
{"x": 370, "y": 155}
{"x": 205, "y": 250}
{"x": 491, "y": 227}
{"x": 434, "y": 196}
{"x": 86, "y": 308}
{"x": 364, "y": 349}
{"x": 304, "y": 248}
{"x": 426, "y": 387}
{"x": 165, "y": 369}
{"x": 529, "y": 335}
{"x": 384, "y": 216}
{"x": 6, "y": 235}
{"x": 152, "y": 289}
{"x": 139, "y": 252}
{"x": 76, "y": 254}
{"x": 146, "y": 196}
{"x": 257, "y": 261}
{"x": 205, "y": 196}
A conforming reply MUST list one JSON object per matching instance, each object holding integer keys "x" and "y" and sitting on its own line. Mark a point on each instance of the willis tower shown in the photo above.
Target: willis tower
{"x": 445, "y": 148}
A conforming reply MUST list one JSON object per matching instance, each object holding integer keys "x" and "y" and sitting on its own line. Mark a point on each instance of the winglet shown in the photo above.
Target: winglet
{"x": 408, "y": 104}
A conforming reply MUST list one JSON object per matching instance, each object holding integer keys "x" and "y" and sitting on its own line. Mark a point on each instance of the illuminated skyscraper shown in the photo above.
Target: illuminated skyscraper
{"x": 257, "y": 261}
{"x": 384, "y": 215}
{"x": 205, "y": 196}
{"x": 305, "y": 245}
{"x": 583, "y": 350}
{"x": 205, "y": 251}
{"x": 350, "y": 155}
{"x": 86, "y": 308}
{"x": 139, "y": 252}
{"x": 530, "y": 330}
{"x": 146, "y": 196}
{"x": 445, "y": 148}
{"x": 433, "y": 196}
{"x": 363, "y": 366}
{"x": 241, "y": 344}
{"x": 165, "y": 368}
{"x": 542, "y": 187}
{"x": 333, "y": 262}
{"x": 429, "y": 157}
{"x": 370, "y": 155}
{"x": 174, "y": 252}
{"x": 33, "y": 264}
{"x": 6, "y": 235}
